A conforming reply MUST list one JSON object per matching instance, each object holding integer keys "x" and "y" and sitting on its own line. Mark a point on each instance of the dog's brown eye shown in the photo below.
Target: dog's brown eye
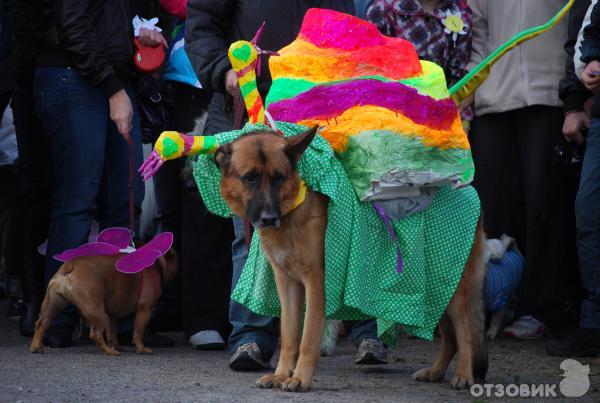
{"x": 278, "y": 177}
{"x": 251, "y": 177}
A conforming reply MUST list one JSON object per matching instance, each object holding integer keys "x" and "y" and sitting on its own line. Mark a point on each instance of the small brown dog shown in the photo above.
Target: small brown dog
{"x": 104, "y": 295}
{"x": 260, "y": 183}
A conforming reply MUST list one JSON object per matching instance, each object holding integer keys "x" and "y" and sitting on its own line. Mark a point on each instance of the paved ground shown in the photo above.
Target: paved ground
{"x": 81, "y": 373}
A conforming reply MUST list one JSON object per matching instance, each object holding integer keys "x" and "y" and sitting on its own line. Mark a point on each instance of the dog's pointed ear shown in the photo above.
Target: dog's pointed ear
{"x": 296, "y": 145}
{"x": 223, "y": 156}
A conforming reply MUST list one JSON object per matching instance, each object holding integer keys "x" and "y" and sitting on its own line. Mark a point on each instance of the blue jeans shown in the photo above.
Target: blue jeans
{"x": 90, "y": 163}
{"x": 248, "y": 326}
{"x": 263, "y": 330}
{"x": 361, "y": 330}
{"x": 587, "y": 210}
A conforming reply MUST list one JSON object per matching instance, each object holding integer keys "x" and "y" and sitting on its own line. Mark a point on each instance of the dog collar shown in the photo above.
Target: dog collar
{"x": 301, "y": 196}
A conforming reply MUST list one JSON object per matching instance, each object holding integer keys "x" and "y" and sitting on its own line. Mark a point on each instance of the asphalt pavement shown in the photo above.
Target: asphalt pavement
{"x": 181, "y": 374}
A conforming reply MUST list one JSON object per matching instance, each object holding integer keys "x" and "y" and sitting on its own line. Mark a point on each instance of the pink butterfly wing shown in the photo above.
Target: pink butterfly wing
{"x": 146, "y": 255}
{"x": 88, "y": 249}
{"x": 161, "y": 242}
{"x": 119, "y": 237}
{"x": 137, "y": 261}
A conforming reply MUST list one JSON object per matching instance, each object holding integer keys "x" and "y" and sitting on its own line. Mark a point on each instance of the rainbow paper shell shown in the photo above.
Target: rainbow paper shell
{"x": 387, "y": 114}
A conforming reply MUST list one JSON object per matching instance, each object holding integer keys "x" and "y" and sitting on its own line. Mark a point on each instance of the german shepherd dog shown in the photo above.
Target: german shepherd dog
{"x": 260, "y": 183}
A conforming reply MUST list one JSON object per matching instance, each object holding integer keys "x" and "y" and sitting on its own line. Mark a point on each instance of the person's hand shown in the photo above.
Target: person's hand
{"x": 468, "y": 101}
{"x": 151, "y": 38}
{"x": 574, "y": 122}
{"x": 121, "y": 112}
{"x": 231, "y": 82}
{"x": 591, "y": 76}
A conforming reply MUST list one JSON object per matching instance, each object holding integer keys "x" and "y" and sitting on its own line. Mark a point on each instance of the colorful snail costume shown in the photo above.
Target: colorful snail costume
{"x": 391, "y": 156}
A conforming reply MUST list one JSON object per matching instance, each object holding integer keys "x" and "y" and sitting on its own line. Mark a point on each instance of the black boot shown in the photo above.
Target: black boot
{"x": 29, "y": 226}
{"x": 59, "y": 336}
{"x": 27, "y": 322}
{"x": 16, "y": 309}
{"x": 584, "y": 342}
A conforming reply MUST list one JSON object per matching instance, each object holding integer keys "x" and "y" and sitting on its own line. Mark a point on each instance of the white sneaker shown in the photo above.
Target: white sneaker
{"x": 526, "y": 328}
{"x": 207, "y": 340}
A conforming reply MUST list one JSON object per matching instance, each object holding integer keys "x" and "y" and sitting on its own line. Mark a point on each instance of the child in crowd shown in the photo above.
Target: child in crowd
{"x": 439, "y": 29}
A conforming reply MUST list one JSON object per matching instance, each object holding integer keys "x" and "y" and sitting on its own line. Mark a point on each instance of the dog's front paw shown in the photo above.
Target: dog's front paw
{"x": 427, "y": 375}
{"x": 270, "y": 381}
{"x": 144, "y": 350}
{"x": 459, "y": 382}
{"x": 37, "y": 349}
{"x": 295, "y": 384}
{"x": 112, "y": 352}
{"x": 491, "y": 334}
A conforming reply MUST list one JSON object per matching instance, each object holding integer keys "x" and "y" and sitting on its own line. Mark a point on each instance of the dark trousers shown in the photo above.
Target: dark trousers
{"x": 8, "y": 183}
{"x": 206, "y": 281}
{"x": 90, "y": 163}
{"x": 588, "y": 227}
{"x": 525, "y": 194}
{"x": 205, "y": 238}
{"x": 28, "y": 225}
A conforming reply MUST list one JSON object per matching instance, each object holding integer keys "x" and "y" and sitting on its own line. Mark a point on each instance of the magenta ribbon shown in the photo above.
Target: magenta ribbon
{"x": 259, "y": 51}
{"x": 388, "y": 223}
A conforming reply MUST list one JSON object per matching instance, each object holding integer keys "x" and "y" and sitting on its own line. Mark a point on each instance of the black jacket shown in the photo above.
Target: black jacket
{"x": 572, "y": 92}
{"x": 95, "y": 37}
{"x": 5, "y": 53}
{"x": 212, "y": 25}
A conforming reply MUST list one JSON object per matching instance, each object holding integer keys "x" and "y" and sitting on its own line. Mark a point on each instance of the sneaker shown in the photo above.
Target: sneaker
{"x": 584, "y": 342}
{"x": 371, "y": 352}
{"x": 248, "y": 357}
{"x": 16, "y": 309}
{"x": 207, "y": 340}
{"x": 526, "y": 328}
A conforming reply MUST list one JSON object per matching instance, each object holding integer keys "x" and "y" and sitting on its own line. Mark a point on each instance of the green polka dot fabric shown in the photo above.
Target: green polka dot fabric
{"x": 361, "y": 281}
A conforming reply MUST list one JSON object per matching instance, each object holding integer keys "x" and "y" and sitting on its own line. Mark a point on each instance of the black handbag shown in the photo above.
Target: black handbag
{"x": 152, "y": 106}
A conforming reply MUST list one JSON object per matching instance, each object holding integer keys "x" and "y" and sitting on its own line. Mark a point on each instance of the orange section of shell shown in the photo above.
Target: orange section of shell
{"x": 395, "y": 60}
{"x": 366, "y": 118}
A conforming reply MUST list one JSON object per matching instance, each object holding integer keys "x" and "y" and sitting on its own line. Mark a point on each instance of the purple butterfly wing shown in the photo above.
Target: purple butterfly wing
{"x": 146, "y": 255}
{"x": 137, "y": 261}
{"x": 161, "y": 242}
{"x": 88, "y": 249}
{"x": 119, "y": 237}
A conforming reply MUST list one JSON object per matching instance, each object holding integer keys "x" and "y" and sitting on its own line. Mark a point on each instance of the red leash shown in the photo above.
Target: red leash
{"x": 131, "y": 181}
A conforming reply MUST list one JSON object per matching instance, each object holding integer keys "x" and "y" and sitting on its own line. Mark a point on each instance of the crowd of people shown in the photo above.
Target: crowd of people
{"x": 79, "y": 104}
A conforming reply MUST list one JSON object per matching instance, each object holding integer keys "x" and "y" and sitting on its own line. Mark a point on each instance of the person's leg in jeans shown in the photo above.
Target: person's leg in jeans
{"x": 585, "y": 341}
{"x": 588, "y": 224}
{"x": 363, "y": 333}
{"x": 75, "y": 117}
{"x": 248, "y": 327}
{"x": 114, "y": 210}
{"x": 361, "y": 330}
